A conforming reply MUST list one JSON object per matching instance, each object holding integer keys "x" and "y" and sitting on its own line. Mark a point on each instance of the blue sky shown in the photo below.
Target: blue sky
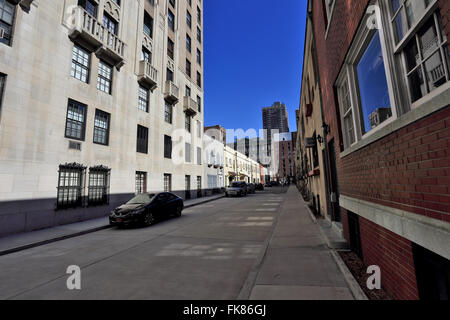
{"x": 253, "y": 57}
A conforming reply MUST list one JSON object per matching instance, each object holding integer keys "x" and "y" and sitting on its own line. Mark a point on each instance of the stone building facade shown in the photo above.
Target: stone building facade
{"x": 101, "y": 99}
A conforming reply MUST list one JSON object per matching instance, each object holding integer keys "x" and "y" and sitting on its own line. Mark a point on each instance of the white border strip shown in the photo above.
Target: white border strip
{"x": 429, "y": 233}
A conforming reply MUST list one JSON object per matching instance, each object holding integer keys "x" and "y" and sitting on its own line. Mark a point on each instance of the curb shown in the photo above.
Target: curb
{"x": 78, "y": 234}
{"x": 353, "y": 285}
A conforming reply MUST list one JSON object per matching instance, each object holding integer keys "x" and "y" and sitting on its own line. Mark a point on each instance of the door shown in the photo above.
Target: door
{"x": 334, "y": 189}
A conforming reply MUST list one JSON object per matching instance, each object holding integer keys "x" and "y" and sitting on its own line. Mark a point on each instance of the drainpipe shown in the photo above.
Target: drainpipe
{"x": 324, "y": 127}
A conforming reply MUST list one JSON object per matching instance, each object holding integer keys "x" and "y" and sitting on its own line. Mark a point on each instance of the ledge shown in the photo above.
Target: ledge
{"x": 427, "y": 232}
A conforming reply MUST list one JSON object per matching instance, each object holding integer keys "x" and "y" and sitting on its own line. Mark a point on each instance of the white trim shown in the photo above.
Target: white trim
{"x": 429, "y": 233}
{"x": 434, "y": 101}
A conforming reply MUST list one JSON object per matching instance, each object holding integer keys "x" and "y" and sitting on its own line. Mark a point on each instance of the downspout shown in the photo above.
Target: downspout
{"x": 324, "y": 126}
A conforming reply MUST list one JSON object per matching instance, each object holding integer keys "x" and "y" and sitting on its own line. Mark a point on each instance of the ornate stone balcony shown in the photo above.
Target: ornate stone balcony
{"x": 87, "y": 31}
{"x": 148, "y": 75}
{"x": 190, "y": 106}
{"x": 171, "y": 92}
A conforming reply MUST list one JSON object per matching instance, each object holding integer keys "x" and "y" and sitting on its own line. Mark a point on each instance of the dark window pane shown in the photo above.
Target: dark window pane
{"x": 75, "y": 122}
{"x": 101, "y": 127}
{"x": 142, "y": 139}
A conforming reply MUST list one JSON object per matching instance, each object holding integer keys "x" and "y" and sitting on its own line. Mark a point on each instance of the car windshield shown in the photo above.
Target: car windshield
{"x": 142, "y": 199}
{"x": 236, "y": 184}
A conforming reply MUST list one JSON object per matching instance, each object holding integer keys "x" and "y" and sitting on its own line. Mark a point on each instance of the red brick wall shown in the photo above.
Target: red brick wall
{"x": 408, "y": 170}
{"x": 392, "y": 253}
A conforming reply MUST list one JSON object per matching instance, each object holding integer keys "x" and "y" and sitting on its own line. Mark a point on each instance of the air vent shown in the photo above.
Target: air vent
{"x": 2, "y": 33}
{"x": 74, "y": 145}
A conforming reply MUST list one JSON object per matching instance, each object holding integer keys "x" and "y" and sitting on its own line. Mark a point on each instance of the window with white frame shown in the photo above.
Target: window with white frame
{"x": 421, "y": 41}
{"x": 104, "y": 79}
{"x": 328, "y": 10}
{"x": 409, "y": 37}
{"x": 143, "y": 99}
{"x": 80, "y": 64}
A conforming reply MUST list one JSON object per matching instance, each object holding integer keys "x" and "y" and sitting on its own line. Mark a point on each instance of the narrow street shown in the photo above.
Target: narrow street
{"x": 214, "y": 251}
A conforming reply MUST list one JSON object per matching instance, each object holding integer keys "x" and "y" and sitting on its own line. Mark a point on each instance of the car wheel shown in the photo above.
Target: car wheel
{"x": 179, "y": 211}
{"x": 149, "y": 219}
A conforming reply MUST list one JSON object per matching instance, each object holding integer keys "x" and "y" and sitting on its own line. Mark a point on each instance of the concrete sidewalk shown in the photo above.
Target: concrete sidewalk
{"x": 297, "y": 264}
{"x": 26, "y": 240}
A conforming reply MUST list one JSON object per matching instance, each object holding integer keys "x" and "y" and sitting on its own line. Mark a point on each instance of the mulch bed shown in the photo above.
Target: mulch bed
{"x": 359, "y": 271}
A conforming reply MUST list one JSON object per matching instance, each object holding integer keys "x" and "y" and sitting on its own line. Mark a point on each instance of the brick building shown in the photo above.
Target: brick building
{"x": 384, "y": 76}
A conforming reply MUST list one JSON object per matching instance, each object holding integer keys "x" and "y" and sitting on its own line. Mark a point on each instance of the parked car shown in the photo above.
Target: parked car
{"x": 146, "y": 209}
{"x": 237, "y": 188}
{"x": 260, "y": 187}
{"x": 251, "y": 188}
{"x": 268, "y": 185}
{"x": 275, "y": 184}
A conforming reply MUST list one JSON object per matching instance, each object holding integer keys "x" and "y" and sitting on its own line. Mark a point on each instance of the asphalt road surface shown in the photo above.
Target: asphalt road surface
{"x": 208, "y": 253}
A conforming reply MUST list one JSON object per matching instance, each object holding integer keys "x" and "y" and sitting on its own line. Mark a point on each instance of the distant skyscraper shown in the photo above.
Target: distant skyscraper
{"x": 276, "y": 117}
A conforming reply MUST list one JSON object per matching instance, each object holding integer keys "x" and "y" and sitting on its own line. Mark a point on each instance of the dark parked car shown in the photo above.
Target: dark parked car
{"x": 251, "y": 188}
{"x": 260, "y": 187}
{"x": 275, "y": 184}
{"x": 146, "y": 209}
{"x": 268, "y": 185}
{"x": 237, "y": 188}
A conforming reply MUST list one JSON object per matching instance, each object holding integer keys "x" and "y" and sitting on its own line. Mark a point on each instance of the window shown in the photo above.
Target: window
{"x": 188, "y": 67}
{"x": 104, "y": 77}
{"x": 188, "y": 19}
{"x": 167, "y": 182}
{"x": 170, "y": 48}
{"x": 143, "y": 98}
{"x": 187, "y": 123}
{"x": 70, "y": 185}
{"x": 172, "y": 2}
{"x": 199, "y": 57}
{"x": 141, "y": 182}
{"x": 373, "y": 87}
{"x": 199, "y": 35}
{"x": 426, "y": 52}
{"x": 148, "y": 25}
{"x": 101, "y": 127}
{"x": 366, "y": 83}
{"x": 199, "y": 156}
{"x": 199, "y": 104}
{"x": 168, "y": 112}
{"x": 199, "y": 186}
{"x": 328, "y": 7}
{"x": 2, "y": 89}
{"x": 76, "y": 120}
{"x": 80, "y": 64}
{"x": 110, "y": 24}
{"x": 142, "y": 139}
{"x": 187, "y": 152}
{"x": 117, "y": 2}
{"x": 167, "y": 147}
{"x": 199, "y": 79}
{"x": 146, "y": 55}
{"x": 90, "y": 7}
{"x": 188, "y": 91}
{"x": 98, "y": 190}
{"x": 169, "y": 75}
{"x": 171, "y": 20}
{"x": 199, "y": 16}
{"x": 7, "y": 13}
{"x": 199, "y": 129}
{"x": 188, "y": 44}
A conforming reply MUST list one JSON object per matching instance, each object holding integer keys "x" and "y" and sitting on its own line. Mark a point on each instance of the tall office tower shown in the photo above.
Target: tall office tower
{"x": 276, "y": 117}
{"x": 93, "y": 95}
